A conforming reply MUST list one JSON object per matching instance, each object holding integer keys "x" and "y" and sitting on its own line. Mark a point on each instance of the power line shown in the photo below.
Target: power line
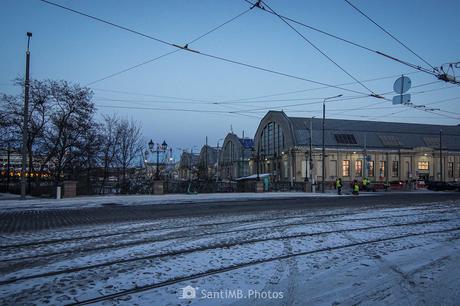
{"x": 245, "y": 100}
{"x": 171, "y": 52}
{"x": 150, "y": 95}
{"x": 317, "y": 48}
{"x": 319, "y": 88}
{"x": 417, "y": 67}
{"x": 207, "y": 54}
{"x": 392, "y": 36}
{"x": 131, "y": 68}
{"x": 176, "y": 110}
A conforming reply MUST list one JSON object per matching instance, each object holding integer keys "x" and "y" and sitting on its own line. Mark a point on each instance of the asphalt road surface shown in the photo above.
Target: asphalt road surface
{"x": 34, "y": 220}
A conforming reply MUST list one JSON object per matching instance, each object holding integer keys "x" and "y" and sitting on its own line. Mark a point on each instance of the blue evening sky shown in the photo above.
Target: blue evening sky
{"x": 215, "y": 93}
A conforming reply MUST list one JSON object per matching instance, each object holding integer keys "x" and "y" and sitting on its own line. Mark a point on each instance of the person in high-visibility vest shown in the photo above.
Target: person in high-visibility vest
{"x": 338, "y": 185}
{"x": 356, "y": 188}
{"x": 365, "y": 184}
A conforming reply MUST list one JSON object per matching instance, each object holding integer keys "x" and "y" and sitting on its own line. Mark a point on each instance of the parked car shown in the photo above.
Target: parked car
{"x": 442, "y": 186}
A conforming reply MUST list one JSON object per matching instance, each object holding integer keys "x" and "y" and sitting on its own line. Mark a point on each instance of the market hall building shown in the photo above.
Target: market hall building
{"x": 381, "y": 151}
{"x": 235, "y": 157}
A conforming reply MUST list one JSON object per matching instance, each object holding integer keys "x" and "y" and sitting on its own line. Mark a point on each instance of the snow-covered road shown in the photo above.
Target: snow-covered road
{"x": 403, "y": 255}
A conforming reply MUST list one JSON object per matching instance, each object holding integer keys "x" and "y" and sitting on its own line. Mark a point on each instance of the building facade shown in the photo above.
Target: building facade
{"x": 235, "y": 157}
{"x": 188, "y": 165}
{"x": 207, "y": 162}
{"x": 290, "y": 149}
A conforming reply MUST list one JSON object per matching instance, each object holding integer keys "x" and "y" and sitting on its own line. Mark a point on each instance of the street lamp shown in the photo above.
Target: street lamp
{"x": 25, "y": 121}
{"x": 323, "y": 170}
{"x": 160, "y": 148}
{"x": 163, "y": 147}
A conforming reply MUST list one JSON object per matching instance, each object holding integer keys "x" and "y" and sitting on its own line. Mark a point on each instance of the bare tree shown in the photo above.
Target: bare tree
{"x": 71, "y": 116}
{"x": 129, "y": 146}
{"x": 12, "y": 118}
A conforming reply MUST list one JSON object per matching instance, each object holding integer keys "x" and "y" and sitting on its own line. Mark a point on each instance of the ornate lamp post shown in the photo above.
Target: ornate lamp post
{"x": 160, "y": 148}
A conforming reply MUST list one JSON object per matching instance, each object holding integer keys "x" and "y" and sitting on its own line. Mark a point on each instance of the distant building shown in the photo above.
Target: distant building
{"x": 207, "y": 163}
{"x": 235, "y": 157}
{"x": 188, "y": 165}
{"x": 381, "y": 151}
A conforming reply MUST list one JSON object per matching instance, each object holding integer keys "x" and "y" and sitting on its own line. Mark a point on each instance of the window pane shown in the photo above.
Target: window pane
{"x": 359, "y": 168}
{"x": 395, "y": 169}
{"x": 346, "y": 168}
{"x": 371, "y": 168}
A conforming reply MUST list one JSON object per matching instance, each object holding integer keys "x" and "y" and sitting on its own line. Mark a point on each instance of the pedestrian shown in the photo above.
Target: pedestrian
{"x": 356, "y": 188}
{"x": 365, "y": 184}
{"x": 338, "y": 185}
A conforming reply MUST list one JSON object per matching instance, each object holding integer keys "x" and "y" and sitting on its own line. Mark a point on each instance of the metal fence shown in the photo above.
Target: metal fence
{"x": 287, "y": 186}
{"x": 199, "y": 187}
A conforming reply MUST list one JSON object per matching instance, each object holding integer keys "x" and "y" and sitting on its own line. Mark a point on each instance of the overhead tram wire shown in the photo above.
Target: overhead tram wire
{"x": 391, "y": 35}
{"x": 393, "y": 58}
{"x": 251, "y": 99}
{"x": 178, "y": 110}
{"x": 247, "y": 100}
{"x": 318, "y": 88}
{"x": 255, "y": 67}
{"x": 317, "y": 48}
{"x": 131, "y": 68}
{"x": 171, "y": 52}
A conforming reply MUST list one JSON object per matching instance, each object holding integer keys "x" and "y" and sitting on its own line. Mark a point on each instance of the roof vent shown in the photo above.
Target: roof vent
{"x": 345, "y": 138}
{"x": 390, "y": 140}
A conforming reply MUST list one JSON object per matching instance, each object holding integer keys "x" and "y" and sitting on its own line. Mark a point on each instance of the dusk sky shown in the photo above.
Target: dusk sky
{"x": 185, "y": 96}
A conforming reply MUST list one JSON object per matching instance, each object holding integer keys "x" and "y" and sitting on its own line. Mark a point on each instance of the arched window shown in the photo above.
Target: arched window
{"x": 272, "y": 139}
{"x": 229, "y": 152}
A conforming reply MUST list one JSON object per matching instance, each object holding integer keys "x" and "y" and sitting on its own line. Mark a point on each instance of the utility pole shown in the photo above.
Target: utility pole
{"x": 206, "y": 164}
{"x": 8, "y": 154}
{"x": 26, "y": 119}
{"x": 190, "y": 172}
{"x": 310, "y": 164}
{"x": 323, "y": 164}
{"x": 217, "y": 169}
{"x": 365, "y": 157}
{"x": 323, "y": 159}
{"x": 440, "y": 154}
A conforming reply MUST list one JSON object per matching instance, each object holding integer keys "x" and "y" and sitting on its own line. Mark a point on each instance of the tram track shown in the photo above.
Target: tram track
{"x": 144, "y": 230}
{"x": 211, "y": 247}
{"x": 216, "y": 271}
{"x": 244, "y": 230}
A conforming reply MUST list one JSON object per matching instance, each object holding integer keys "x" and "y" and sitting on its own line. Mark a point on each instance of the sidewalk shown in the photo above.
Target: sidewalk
{"x": 11, "y": 202}
{"x": 14, "y": 203}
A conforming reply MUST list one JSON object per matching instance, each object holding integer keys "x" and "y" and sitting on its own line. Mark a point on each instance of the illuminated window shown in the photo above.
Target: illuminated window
{"x": 423, "y": 165}
{"x": 382, "y": 168}
{"x": 450, "y": 169}
{"x": 370, "y": 171}
{"x": 345, "y": 168}
{"x": 359, "y": 168}
{"x": 395, "y": 168}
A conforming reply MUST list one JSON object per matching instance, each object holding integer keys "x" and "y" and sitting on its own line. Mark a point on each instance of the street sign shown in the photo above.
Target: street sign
{"x": 401, "y": 99}
{"x": 402, "y": 85}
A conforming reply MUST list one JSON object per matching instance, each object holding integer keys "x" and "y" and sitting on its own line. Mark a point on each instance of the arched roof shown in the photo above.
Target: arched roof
{"x": 283, "y": 121}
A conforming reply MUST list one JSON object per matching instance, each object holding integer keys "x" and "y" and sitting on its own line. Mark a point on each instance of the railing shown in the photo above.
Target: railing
{"x": 287, "y": 186}
{"x": 199, "y": 187}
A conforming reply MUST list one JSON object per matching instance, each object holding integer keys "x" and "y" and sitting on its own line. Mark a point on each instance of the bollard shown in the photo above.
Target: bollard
{"x": 58, "y": 192}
